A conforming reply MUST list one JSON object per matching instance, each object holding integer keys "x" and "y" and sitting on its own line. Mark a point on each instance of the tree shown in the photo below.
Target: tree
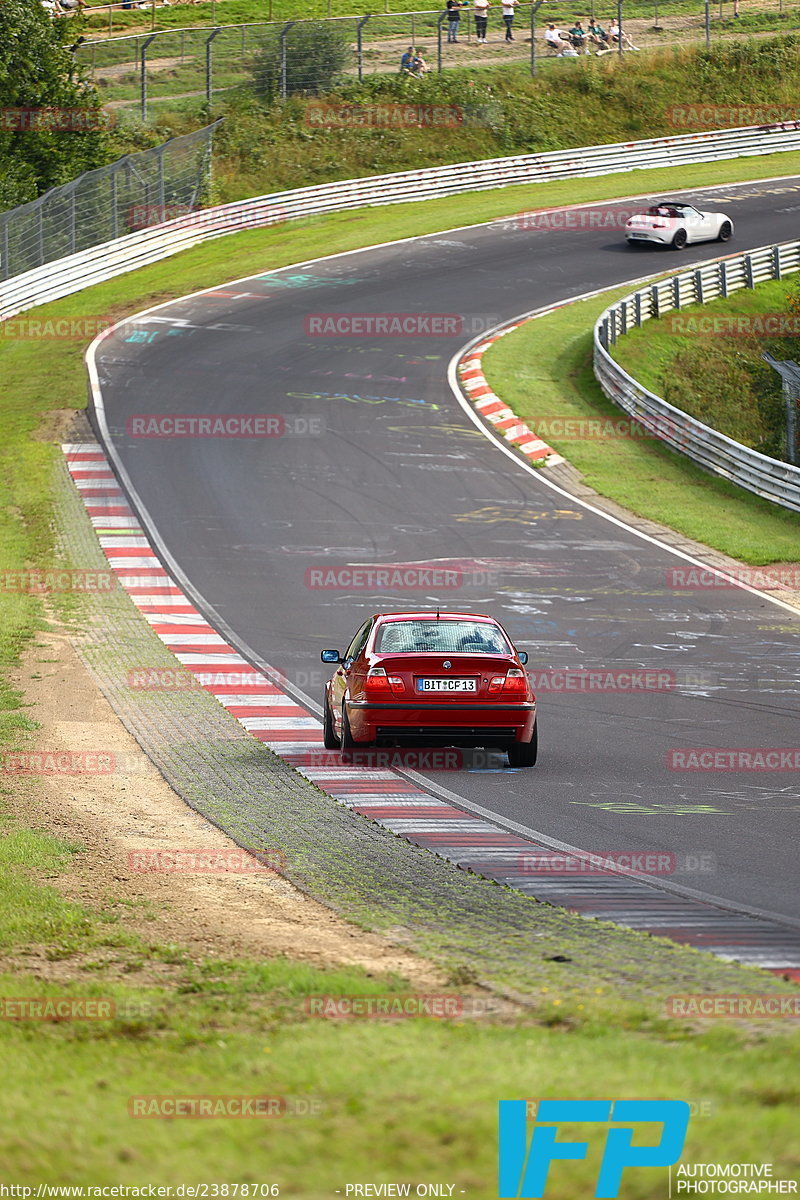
{"x": 316, "y": 56}
{"x": 40, "y": 85}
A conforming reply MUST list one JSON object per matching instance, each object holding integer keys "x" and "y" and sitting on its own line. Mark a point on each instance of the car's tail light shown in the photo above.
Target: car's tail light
{"x": 512, "y": 683}
{"x": 378, "y": 683}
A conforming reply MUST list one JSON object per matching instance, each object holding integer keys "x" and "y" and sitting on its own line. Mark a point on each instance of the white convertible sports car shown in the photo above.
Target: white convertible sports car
{"x": 675, "y": 223}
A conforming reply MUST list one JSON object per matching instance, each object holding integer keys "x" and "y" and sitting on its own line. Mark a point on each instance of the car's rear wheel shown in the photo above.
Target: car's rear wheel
{"x": 346, "y": 742}
{"x": 330, "y": 739}
{"x": 725, "y": 231}
{"x": 524, "y": 754}
{"x": 680, "y": 239}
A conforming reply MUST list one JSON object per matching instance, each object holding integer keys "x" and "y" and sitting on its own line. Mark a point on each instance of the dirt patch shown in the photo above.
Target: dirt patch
{"x": 112, "y": 816}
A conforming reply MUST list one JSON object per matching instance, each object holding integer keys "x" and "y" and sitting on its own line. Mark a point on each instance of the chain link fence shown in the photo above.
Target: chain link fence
{"x": 190, "y": 65}
{"x": 136, "y": 191}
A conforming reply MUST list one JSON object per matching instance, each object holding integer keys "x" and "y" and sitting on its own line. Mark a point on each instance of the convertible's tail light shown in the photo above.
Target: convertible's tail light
{"x": 378, "y": 683}
{"x": 512, "y": 683}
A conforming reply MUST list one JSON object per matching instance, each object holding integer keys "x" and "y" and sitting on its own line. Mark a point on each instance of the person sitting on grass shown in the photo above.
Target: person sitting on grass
{"x": 598, "y": 37}
{"x": 578, "y": 38}
{"x": 412, "y": 63}
{"x": 618, "y": 36}
{"x": 556, "y": 40}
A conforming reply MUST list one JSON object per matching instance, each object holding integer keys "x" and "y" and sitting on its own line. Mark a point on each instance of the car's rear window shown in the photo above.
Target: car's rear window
{"x": 443, "y": 637}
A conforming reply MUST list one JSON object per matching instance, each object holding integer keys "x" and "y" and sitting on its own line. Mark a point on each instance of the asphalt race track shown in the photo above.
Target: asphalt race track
{"x": 380, "y": 465}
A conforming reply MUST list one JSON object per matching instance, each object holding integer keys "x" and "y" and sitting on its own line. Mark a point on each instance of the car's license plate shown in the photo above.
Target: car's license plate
{"x": 447, "y": 685}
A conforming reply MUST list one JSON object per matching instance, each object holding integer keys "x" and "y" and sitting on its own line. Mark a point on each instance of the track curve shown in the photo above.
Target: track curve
{"x": 401, "y": 476}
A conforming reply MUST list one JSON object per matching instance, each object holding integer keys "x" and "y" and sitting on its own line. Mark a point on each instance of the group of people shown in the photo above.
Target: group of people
{"x": 481, "y": 14}
{"x": 577, "y": 40}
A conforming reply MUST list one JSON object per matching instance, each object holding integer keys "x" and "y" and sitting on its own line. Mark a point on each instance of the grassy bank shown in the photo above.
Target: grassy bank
{"x": 544, "y": 373}
{"x": 495, "y": 112}
{"x": 366, "y": 1100}
{"x": 719, "y": 376}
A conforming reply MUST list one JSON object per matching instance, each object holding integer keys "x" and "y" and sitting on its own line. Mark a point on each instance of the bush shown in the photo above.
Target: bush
{"x": 317, "y": 53}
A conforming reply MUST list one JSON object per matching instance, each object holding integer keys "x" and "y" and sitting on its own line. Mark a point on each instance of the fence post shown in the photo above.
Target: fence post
{"x": 676, "y": 292}
{"x": 439, "y": 23}
{"x": 40, "y": 234}
{"x": 209, "y": 40}
{"x": 776, "y": 262}
{"x": 654, "y": 301}
{"x": 707, "y": 18}
{"x": 284, "y": 31}
{"x": 72, "y": 222}
{"x": 637, "y": 307}
{"x": 534, "y": 9}
{"x": 748, "y": 271}
{"x": 143, "y": 86}
{"x": 723, "y": 280}
{"x": 5, "y": 254}
{"x": 698, "y": 286}
{"x": 114, "y": 214}
{"x": 619, "y": 28}
{"x": 360, "y": 23}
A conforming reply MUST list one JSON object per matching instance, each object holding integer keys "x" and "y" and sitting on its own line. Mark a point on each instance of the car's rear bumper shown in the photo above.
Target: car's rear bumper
{"x": 453, "y": 723}
{"x": 658, "y": 239}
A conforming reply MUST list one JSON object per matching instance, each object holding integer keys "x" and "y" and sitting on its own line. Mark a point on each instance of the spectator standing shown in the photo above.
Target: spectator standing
{"x": 481, "y": 9}
{"x": 508, "y": 17}
{"x": 454, "y": 8}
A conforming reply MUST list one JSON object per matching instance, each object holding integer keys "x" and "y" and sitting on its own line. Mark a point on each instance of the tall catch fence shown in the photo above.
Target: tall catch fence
{"x": 193, "y": 64}
{"x": 132, "y": 193}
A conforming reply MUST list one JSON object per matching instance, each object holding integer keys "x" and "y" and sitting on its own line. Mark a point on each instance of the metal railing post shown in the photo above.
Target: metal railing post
{"x": 442, "y": 18}
{"x": 284, "y": 31}
{"x": 534, "y": 9}
{"x": 707, "y": 20}
{"x": 619, "y": 28}
{"x": 360, "y": 23}
{"x": 143, "y": 83}
{"x": 209, "y": 65}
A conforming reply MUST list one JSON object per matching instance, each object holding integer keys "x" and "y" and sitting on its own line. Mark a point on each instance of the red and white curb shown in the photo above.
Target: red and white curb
{"x": 272, "y": 716}
{"x": 496, "y": 411}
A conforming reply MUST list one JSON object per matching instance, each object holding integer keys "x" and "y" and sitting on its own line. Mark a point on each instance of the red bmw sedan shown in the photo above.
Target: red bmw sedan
{"x": 422, "y": 678}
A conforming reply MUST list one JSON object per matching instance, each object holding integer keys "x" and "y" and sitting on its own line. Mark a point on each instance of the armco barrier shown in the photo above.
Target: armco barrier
{"x": 77, "y": 271}
{"x": 767, "y": 477}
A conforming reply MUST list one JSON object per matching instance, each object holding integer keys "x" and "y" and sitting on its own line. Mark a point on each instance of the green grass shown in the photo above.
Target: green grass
{"x": 411, "y": 1100}
{"x": 647, "y": 353}
{"x": 543, "y": 372}
{"x": 231, "y": 12}
{"x": 401, "y": 1099}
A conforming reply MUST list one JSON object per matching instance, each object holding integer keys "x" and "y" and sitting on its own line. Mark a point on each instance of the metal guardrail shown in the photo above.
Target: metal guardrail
{"x": 767, "y": 477}
{"x": 105, "y": 261}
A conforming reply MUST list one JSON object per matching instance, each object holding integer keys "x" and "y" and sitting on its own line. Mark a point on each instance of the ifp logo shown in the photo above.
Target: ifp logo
{"x": 524, "y": 1165}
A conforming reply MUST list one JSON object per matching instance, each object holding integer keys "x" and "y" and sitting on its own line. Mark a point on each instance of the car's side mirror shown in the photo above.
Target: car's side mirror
{"x": 331, "y": 656}
{"x": 522, "y": 655}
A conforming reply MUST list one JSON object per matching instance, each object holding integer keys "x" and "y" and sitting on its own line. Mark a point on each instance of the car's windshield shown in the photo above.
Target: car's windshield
{"x": 442, "y": 636}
